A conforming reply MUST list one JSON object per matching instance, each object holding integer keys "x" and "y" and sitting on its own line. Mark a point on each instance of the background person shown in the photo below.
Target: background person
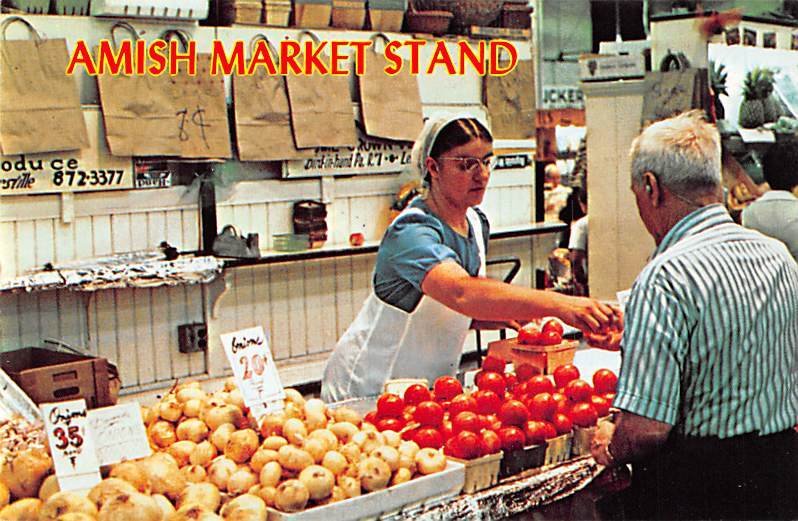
{"x": 708, "y": 386}
{"x": 577, "y": 248}
{"x": 429, "y": 282}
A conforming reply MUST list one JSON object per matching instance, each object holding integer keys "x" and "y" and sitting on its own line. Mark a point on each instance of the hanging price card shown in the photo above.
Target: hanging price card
{"x": 254, "y": 370}
{"x": 119, "y": 433}
{"x": 71, "y": 444}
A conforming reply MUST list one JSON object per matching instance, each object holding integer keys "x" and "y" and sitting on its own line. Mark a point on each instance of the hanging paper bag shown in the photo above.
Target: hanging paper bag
{"x": 510, "y": 100}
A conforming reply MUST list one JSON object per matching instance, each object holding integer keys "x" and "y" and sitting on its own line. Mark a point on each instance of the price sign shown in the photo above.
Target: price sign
{"x": 119, "y": 433}
{"x": 254, "y": 370}
{"x": 71, "y": 444}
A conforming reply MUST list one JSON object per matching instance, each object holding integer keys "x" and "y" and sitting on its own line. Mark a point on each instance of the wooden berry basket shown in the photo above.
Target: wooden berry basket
{"x": 558, "y": 449}
{"x": 520, "y": 460}
{"x": 545, "y": 358}
{"x": 583, "y": 436}
{"x": 481, "y": 473}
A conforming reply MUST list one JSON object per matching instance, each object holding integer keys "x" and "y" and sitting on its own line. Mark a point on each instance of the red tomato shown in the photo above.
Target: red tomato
{"x": 468, "y": 444}
{"x": 578, "y": 391}
{"x": 371, "y": 417}
{"x": 550, "y": 338}
{"x": 462, "y": 402}
{"x": 513, "y": 412}
{"x": 428, "y": 437}
{"x": 446, "y": 429}
{"x": 538, "y": 432}
{"x": 610, "y": 397}
{"x": 584, "y": 415}
{"x": 539, "y": 384}
{"x": 512, "y": 438}
{"x": 529, "y": 334}
{"x": 446, "y": 388}
{"x": 488, "y": 402}
{"x": 390, "y": 424}
{"x": 562, "y": 423}
{"x": 417, "y": 393}
{"x": 512, "y": 381}
{"x": 390, "y": 406}
{"x": 409, "y": 434}
{"x": 525, "y": 371}
{"x": 564, "y": 374}
{"x": 466, "y": 421}
{"x": 494, "y": 364}
{"x": 450, "y": 450}
{"x": 484, "y": 421}
{"x": 601, "y": 405}
{"x": 445, "y": 404}
{"x": 491, "y": 443}
{"x": 429, "y": 414}
{"x": 562, "y": 405}
{"x": 604, "y": 381}
{"x": 541, "y": 406}
{"x": 553, "y": 325}
{"x": 492, "y": 382}
{"x": 408, "y": 413}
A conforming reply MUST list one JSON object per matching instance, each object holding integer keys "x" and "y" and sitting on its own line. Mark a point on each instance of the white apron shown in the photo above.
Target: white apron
{"x": 385, "y": 342}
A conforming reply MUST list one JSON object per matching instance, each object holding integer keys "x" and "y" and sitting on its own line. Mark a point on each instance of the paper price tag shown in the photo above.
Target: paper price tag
{"x": 71, "y": 444}
{"x": 119, "y": 433}
{"x": 254, "y": 370}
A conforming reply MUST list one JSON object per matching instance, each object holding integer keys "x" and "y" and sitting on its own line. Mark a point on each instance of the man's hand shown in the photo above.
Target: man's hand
{"x": 599, "y": 446}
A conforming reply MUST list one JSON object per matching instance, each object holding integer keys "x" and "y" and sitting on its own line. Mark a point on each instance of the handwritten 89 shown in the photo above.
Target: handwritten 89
{"x": 253, "y": 364}
{"x": 66, "y": 437}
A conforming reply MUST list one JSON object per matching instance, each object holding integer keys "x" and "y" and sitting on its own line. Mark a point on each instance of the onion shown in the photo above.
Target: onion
{"x": 346, "y": 414}
{"x": 241, "y": 481}
{"x": 203, "y": 454}
{"x": 205, "y": 495}
{"x": 272, "y": 424}
{"x": 170, "y": 409}
{"x": 216, "y": 416}
{"x": 270, "y": 474}
{"x": 192, "y": 409}
{"x": 194, "y": 513}
{"x": 294, "y": 396}
{"x": 192, "y": 429}
{"x": 134, "y": 474}
{"x": 267, "y": 494}
{"x": 262, "y": 457}
{"x": 293, "y": 410}
{"x": 295, "y": 431}
{"x": 26, "y": 509}
{"x": 274, "y": 443}
{"x": 292, "y": 496}
{"x": 221, "y": 436}
{"x": 125, "y": 507}
{"x": 148, "y": 415}
{"x": 181, "y": 451}
{"x": 392, "y": 438}
{"x": 335, "y": 462}
{"x": 162, "y": 433}
{"x": 387, "y": 454}
{"x": 230, "y": 384}
{"x": 166, "y": 506}
{"x": 164, "y": 475}
{"x": 194, "y": 473}
{"x": 316, "y": 448}
{"x": 326, "y": 435}
{"x": 24, "y": 474}
{"x": 220, "y": 471}
{"x": 250, "y": 503}
{"x": 318, "y": 480}
{"x": 5, "y": 494}
{"x": 235, "y": 397}
{"x": 190, "y": 393}
{"x": 108, "y": 488}
{"x": 241, "y": 445}
{"x": 48, "y": 488}
{"x": 65, "y": 502}
{"x": 76, "y": 516}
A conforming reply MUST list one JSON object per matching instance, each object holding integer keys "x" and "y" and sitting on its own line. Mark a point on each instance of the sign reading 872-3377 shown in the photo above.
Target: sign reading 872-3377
{"x": 54, "y": 173}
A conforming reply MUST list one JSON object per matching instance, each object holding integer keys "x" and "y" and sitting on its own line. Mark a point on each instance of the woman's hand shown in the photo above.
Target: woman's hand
{"x": 587, "y": 314}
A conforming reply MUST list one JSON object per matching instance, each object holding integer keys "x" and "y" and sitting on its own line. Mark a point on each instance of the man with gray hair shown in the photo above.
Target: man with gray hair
{"x": 708, "y": 387}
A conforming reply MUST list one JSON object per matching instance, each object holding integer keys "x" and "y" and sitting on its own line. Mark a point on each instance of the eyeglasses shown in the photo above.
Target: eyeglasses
{"x": 473, "y": 165}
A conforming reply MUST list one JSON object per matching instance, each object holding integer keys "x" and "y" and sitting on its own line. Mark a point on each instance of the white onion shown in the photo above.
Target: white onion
{"x": 221, "y": 436}
{"x": 206, "y": 495}
{"x": 134, "y": 474}
{"x": 181, "y": 451}
{"x": 203, "y": 454}
{"x": 125, "y": 507}
{"x": 194, "y": 473}
{"x": 241, "y": 481}
{"x": 65, "y": 502}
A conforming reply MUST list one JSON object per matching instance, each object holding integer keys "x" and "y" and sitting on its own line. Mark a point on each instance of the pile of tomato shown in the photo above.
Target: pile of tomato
{"x": 548, "y": 334}
{"x": 507, "y": 411}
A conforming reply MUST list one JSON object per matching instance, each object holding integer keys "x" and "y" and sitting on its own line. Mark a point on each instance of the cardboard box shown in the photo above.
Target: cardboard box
{"x": 53, "y": 376}
{"x": 602, "y": 67}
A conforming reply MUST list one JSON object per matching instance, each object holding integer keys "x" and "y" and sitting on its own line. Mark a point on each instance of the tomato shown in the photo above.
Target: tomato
{"x": 512, "y": 381}
{"x": 512, "y": 438}
{"x": 390, "y": 424}
{"x": 578, "y": 391}
{"x": 492, "y": 382}
{"x": 490, "y": 441}
{"x": 390, "y": 406}
{"x": 446, "y": 388}
{"x": 450, "y": 450}
{"x": 445, "y": 404}
{"x": 601, "y": 405}
{"x": 553, "y": 325}
{"x": 494, "y": 364}
{"x": 538, "y": 432}
{"x": 408, "y": 413}
{"x": 417, "y": 393}
{"x": 428, "y": 437}
{"x": 513, "y": 412}
{"x": 539, "y": 384}
{"x": 447, "y": 431}
{"x": 466, "y": 421}
{"x": 564, "y": 374}
{"x": 529, "y": 335}
{"x": 541, "y": 406}
{"x": 468, "y": 444}
{"x": 610, "y": 397}
{"x": 562, "y": 405}
{"x": 409, "y": 434}
{"x": 562, "y": 423}
{"x": 488, "y": 402}
{"x": 550, "y": 338}
{"x": 428, "y": 414}
{"x": 584, "y": 415}
{"x": 525, "y": 371}
{"x": 604, "y": 381}
{"x": 371, "y": 417}
{"x": 461, "y": 403}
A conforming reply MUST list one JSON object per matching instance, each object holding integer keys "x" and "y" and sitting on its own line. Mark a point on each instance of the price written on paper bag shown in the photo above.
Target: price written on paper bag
{"x": 71, "y": 444}
{"x": 119, "y": 433}
{"x": 253, "y": 367}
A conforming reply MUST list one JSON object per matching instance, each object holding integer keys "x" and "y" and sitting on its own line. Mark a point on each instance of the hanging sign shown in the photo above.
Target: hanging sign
{"x": 254, "y": 370}
{"x": 370, "y": 156}
{"x": 71, "y": 444}
{"x": 562, "y": 97}
{"x": 119, "y": 433}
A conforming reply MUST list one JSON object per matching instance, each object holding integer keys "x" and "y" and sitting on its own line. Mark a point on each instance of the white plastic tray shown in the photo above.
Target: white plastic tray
{"x": 447, "y": 483}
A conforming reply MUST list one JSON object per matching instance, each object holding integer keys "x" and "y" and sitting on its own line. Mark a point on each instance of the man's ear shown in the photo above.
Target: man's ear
{"x": 653, "y": 190}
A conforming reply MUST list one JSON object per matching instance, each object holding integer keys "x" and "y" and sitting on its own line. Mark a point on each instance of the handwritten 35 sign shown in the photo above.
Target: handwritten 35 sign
{"x": 71, "y": 444}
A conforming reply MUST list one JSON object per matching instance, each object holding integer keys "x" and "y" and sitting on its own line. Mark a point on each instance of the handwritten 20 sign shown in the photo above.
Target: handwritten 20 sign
{"x": 251, "y": 359}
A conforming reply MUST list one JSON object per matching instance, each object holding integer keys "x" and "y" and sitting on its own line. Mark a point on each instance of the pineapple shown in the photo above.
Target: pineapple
{"x": 717, "y": 77}
{"x": 752, "y": 111}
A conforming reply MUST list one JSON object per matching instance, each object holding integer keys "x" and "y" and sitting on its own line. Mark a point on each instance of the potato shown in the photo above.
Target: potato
{"x": 270, "y": 474}
{"x": 166, "y": 506}
{"x": 316, "y": 448}
{"x": 350, "y": 485}
{"x": 261, "y": 458}
{"x": 220, "y": 470}
{"x": 335, "y": 462}
{"x": 402, "y": 475}
{"x": 26, "y": 509}
{"x": 295, "y": 431}
{"x": 318, "y": 480}
{"x": 346, "y": 414}
{"x": 344, "y": 431}
{"x": 274, "y": 443}
{"x": 292, "y": 458}
{"x": 292, "y": 496}
{"x": 387, "y": 454}
{"x": 374, "y": 473}
{"x": 430, "y": 461}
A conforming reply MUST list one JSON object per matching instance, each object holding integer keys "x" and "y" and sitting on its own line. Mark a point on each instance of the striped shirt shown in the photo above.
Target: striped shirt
{"x": 711, "y": 336}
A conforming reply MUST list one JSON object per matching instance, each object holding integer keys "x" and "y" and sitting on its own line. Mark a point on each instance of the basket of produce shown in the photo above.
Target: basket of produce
{"x": 482, "y": 472}
{"x": 558, "y": 449}
{"x": 466, "y": 12}
{"x": 435, "y": 22}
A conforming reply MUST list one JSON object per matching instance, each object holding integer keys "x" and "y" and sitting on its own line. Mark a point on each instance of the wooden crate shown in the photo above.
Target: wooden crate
{"x": 545, "y": 358}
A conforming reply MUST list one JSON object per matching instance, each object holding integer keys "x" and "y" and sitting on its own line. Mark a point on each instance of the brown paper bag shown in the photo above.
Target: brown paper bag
{"x": 321, "y": 109}
{"x": 510, "y": 101}
{"x": 201, "y": 110}
{"x": 39, "y": 104}
{"x": 672, "y": 92}
{"x": 139, "y": 111}
{"x": 263, "y": 116}
{"x": 391, "y": 105}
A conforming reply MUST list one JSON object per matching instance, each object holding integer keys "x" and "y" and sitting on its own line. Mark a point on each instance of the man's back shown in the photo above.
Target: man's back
{"x": 776, "y": 215}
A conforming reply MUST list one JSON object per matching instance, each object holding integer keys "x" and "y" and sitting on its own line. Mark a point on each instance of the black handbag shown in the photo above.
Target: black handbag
{"x": 230, "y": 243}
